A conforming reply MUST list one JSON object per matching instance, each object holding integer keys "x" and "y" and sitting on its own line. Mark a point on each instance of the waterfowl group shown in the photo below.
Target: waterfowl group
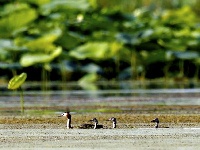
{"x": 96, "y": 125}
{"x": 86, "y": 126}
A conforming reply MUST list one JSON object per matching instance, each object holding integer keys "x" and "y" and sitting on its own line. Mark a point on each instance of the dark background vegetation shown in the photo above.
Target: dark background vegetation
{"x": 100, "y": 40}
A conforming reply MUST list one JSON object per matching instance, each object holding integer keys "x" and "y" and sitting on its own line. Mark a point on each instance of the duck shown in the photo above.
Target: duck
{"x": 114, "y": 121}
{"x": 156, "y": 120}
{"x": 96, "y": 125}
{"x": 69, "y": 118}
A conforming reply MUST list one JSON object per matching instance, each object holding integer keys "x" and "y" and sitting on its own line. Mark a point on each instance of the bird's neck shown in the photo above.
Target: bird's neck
{"x": 156, "y": 126}
{"x": 95, "y": 125}
{"x": 114, "y": 124}
{"x": 68, "y": 123}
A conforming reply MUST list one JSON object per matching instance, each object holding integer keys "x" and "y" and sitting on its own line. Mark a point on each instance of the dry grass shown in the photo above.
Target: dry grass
{"x": 133, "y": 116}
{"x": 125, "y": 120}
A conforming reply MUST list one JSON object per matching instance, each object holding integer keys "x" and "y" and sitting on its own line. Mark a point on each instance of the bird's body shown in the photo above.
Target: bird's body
{"x": 86, "y": 126}
{"x": 114, "y": 121}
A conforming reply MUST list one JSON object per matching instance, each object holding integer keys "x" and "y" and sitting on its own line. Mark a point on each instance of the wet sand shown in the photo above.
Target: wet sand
{"x": 40, "y": 136}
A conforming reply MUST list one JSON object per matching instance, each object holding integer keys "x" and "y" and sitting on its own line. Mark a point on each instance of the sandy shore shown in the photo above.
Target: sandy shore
{"x": 134, "y": 131}
{"x": 52, "y": 137}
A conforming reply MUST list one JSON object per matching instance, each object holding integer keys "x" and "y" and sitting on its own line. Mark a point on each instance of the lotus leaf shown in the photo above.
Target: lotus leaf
{"x": 44, "y": 43}
{"x": 91, "y": 68}
{"x": 95, "y": 50}
{"x": 155, "y": 56}
{"x": 187, "y": 55}
{"x": 16, "y": 20}
{"x": 87, "y": 81}
{"x": 70, "y": 39}
{"x": 17, "y": 81}
{"x": 64, "y": 4}
{"x": 31, "y": 59}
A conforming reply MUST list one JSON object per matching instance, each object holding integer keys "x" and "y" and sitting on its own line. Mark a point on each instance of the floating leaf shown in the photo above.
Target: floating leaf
{"x": 17, "y": 81}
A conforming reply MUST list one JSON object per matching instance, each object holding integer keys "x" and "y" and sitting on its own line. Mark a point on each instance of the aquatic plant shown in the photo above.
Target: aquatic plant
{"x": 15, "y": 83}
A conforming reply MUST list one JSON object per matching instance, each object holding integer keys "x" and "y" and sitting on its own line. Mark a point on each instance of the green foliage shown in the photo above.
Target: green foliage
{"x": 95, "y": 50}
{"x": 31, "y": 59}
{"x": 17, "y": 81}
{"x": 87, "y": 81}
{"x": 16, "y": 19}
{"x": 100, "y": 35}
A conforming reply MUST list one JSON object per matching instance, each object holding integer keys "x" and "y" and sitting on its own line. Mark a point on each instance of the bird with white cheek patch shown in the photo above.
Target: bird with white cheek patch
{"x": 68, "y": 115}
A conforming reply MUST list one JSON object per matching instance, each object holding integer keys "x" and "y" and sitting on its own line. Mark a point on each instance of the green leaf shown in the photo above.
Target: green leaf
{"x": 31, "y": 59}
{"x": 16, "y": 20}
{"x": 44, "y": 44}
{"x": 17, "y": 81}
{"x": 155, "y": 56}
{"x": 95, "y": 50}
{"x": 188, "y": 55}
{"x": 64, "y": 4}
{"x": 70, "y": 40}
{"x": 87, "y": 81}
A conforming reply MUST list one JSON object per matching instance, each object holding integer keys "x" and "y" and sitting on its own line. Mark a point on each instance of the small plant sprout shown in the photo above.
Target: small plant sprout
{"x": 15, "y": 83}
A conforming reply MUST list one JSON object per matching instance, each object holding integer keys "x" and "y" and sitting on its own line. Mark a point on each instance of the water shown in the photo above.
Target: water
{"x": 112, "y": 93}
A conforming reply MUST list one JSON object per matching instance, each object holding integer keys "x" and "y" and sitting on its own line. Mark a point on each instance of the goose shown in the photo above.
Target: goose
{"x": 69, "y": 118}
{"x": 114, "y": 121}
{"x": 156, "y": 120}
{"x": 96, "y": 125}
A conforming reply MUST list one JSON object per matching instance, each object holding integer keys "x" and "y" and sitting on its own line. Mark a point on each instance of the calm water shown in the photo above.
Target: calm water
{"x": 117, "y": 94}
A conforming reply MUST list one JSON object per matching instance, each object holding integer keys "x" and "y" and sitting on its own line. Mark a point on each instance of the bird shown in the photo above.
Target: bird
{"x": 69, "y": 118}
{"x": 114, "y": 121}
{"x": 156, "y": 120}
{"x": 96, "y": 125}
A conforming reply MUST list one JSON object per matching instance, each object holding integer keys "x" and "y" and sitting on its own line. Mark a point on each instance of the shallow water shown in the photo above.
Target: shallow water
{"x": 118, "y": 94}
